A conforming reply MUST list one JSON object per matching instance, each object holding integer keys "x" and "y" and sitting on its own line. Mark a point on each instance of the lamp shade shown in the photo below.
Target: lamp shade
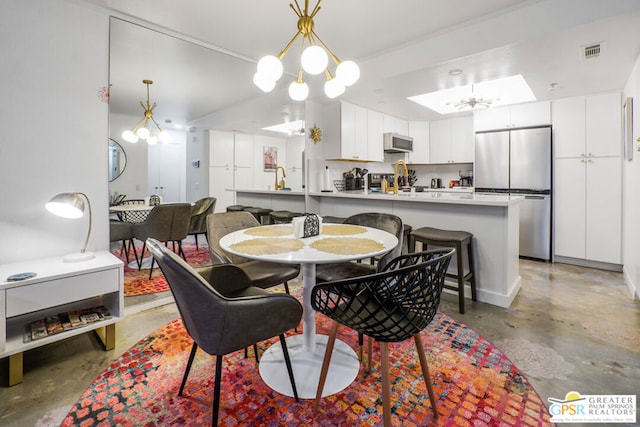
{"x": 314, "y": 59}
{"x": 348, "y": 72}
{"x": 129, "y": 136}
{"x": 263, "y": 82}
{"x": 333, "y": 88}
{"x": 270, "y": 68}
{"x": 298, "y": 91}
{"x": 66, "y": 205}
{"x": 71, "y": 205}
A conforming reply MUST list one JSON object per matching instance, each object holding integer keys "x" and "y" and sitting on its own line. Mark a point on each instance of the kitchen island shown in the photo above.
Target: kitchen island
{"x": 493, "y": 220}
{"x": 289, "y": 200}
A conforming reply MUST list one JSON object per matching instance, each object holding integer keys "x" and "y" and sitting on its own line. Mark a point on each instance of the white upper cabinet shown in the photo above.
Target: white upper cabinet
{"x": 419, "y": 131}
{"x": 451, "y": 140}
{"x": 513, "y": 116}
{"x": 604, "y": 124}
{"x": 375, "y": 140}
{"x": 347, "y": 128}
{"x": 587, "y": 126}
{"x": 395, "y": 125}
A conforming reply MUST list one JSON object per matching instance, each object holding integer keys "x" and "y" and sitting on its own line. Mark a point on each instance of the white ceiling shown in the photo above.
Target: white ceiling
{"x": 201, "y": 54}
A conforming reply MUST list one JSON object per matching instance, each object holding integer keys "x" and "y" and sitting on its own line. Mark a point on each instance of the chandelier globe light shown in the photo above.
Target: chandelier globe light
{"x": 314, "y": 60}
{"x": 143, "y": 129}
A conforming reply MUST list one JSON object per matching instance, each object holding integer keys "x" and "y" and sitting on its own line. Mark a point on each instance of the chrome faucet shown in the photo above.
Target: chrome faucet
{"x": 395, "y": 174}
{"x": 280, "y": 185}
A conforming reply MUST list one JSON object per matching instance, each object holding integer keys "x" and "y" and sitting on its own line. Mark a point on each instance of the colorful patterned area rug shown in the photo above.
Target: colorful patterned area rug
{"x": 137, "y": 283}
{"x": 475, "y": 384}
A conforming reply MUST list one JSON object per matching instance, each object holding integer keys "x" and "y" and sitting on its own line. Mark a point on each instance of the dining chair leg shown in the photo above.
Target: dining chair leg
{"x": 369, "y": 353}
{"x": 144, "y": 246}
{"x": 286, "y": 288}
{"x": 287, "y": 361}
{"x": 194, "y": 347}
{"x": 386, "y": 383}
{"x": 325, "y": 364}
{"x": 216, "y": 391}
{"x": 255, "y": 352}
{"x": 360, "y": 344}
{"x": 132, "y": 245}
{"x": 196, "y": 237}
{"x": 153, "y": 260}
{"x": 425, "y": 374}
{"x": 180, "y": 251}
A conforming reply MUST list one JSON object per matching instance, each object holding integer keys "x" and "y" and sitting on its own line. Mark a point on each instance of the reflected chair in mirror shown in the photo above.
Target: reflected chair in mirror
{"x": 261, "y": 273}
{"x": 199, "y": 212}
{"x": 160, "y": 226}
{"x": 224, "y": 313}
{"x": 133, "y": 216}
{"x": 390, "y": 306}
{"x": 123, "y": 232}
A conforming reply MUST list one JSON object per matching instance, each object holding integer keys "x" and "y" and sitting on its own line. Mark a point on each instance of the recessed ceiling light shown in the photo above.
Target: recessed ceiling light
{"x": 455, "y": 72}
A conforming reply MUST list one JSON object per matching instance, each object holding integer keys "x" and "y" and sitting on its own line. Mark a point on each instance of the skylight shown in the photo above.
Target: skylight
{"x": 290, "y": 128}
{"x": 487, "y": 94}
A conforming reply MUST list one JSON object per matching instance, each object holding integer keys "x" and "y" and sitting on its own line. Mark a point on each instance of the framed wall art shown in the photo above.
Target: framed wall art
{"x": 270, "y": 158}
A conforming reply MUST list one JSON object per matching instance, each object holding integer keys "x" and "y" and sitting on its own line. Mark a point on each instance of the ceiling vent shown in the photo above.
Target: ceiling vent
{"x": 592, "y": 51}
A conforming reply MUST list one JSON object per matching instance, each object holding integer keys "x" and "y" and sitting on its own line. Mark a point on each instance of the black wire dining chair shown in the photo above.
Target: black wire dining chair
{"x": 391, "y": 306}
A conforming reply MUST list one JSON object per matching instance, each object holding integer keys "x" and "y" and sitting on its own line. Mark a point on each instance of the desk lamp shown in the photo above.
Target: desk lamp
{"x": 71, "y": 205}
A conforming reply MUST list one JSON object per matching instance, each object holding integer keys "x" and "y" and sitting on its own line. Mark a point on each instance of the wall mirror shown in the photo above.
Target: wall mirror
{"x": 117, "y": 159}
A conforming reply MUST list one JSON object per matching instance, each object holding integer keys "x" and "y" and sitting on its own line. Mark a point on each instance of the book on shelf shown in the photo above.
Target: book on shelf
{"x": 61, "y": 322}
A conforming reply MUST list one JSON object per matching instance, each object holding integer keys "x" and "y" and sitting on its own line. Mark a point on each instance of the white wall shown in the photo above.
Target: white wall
{"x": 54, "y": 126}
{"x": 631, "y": 194}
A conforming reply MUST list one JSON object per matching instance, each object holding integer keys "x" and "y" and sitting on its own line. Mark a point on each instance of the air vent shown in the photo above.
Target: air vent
{"x": 592, "y": 51}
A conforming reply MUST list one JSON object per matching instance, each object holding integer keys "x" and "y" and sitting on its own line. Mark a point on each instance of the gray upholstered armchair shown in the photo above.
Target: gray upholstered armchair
{"x": 262, "y": 274}
{"x": 199, "y": 212}
{"x": 223, "y": 313}
{"x": 166, "y": 223}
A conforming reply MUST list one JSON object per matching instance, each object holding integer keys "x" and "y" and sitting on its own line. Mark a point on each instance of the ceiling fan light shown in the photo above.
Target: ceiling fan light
{"x": 270, "y": 68}
{"x": 129, "y": 136}
{"x": 314, "y": 59}
{"x": 142, "y": 133}
{"x": 263, "y": 82}
{"x": 165, "y": 137}
{"x": 333, "y": 88}
{"x": 298, "y": 91}
{"x": 348, "y": 72}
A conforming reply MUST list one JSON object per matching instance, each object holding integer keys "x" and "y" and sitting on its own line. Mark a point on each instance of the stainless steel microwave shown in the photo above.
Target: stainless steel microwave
{"x": 395, "y": 143}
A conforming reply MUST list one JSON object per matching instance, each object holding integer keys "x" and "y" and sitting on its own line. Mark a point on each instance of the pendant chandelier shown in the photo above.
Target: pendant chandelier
{"x": 472, "y": 102}
{"x": 144, "y": 130}
{"x": 314, "y": 60}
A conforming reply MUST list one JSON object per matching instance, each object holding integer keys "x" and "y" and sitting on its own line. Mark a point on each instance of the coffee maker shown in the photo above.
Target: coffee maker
{"x": 466, "y": 178}
{"x": 436, "y": 183}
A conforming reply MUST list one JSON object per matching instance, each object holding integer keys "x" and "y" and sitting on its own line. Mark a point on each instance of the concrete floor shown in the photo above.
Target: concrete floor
{"x": 569, "y": 329}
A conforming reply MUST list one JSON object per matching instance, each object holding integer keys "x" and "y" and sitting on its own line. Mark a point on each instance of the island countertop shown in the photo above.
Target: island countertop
{"x": 429, "y": 197}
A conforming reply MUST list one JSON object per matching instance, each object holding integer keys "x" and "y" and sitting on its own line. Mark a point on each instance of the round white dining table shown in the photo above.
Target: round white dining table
{"x": 307, "y": 350}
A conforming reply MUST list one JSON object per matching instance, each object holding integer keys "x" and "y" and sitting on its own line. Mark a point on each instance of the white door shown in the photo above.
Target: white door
{"x": 167, "y": 174}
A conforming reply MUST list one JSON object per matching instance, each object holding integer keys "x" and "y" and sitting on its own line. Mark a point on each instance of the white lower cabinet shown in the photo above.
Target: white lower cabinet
{"x": 588, "y": 203}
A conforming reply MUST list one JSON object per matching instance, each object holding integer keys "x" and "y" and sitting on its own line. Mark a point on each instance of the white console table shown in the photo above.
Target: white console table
{"x": 57, "y": 287}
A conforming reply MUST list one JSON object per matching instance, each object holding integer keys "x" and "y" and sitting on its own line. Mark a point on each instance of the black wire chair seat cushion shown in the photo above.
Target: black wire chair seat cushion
{"x": 390, "y": 306}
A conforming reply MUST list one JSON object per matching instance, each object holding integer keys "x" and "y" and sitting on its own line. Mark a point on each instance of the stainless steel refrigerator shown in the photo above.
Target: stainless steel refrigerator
{"x": 518, "y": 161}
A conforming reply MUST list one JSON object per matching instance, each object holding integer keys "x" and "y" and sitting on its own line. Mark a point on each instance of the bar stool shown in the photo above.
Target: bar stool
{"x": 236, "y": 208}
{"x": 450, "y": 239}
{"x": 283, "y": 217}
{"x": 260, "y": 213}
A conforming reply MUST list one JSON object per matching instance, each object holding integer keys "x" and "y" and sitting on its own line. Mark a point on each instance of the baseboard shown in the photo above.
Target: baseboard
{"x": 500, "y": 300}
{"x": 588, "y": 263}
{"x": 633, "y": 288}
